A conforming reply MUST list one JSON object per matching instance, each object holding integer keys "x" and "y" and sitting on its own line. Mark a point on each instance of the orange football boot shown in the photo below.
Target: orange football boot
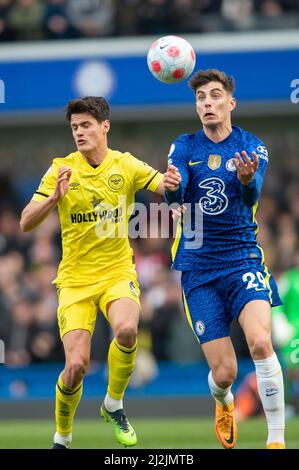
{"x": 225, "y": 425}
{"x": 275, "y": 445}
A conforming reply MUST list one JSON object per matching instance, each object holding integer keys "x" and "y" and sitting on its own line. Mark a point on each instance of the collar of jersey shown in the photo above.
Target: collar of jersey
{"x": 99, "y": 168}
{"x": 227, "y": 139}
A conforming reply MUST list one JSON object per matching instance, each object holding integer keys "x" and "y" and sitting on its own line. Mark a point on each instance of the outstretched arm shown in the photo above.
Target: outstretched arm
{"x": 174, "y": 184}
{"x": 251, "y": 181}
{"x": 35, "y": 212}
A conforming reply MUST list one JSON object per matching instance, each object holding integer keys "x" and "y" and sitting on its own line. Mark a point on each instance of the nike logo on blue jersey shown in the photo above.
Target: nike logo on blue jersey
{"x": 194, "y": 163}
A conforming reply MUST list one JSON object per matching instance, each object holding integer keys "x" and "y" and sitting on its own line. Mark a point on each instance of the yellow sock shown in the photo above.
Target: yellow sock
{"x": 67, "y": 400}
{"x": 121, "y": 362}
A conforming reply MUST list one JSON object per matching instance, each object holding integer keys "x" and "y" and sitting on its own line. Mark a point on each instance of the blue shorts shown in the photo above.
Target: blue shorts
{"x": 210, "y": 307}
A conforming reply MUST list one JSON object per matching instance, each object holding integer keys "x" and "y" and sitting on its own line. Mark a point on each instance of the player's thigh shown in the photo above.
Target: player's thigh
{"x": 250, "y": 293}
{"x": 123, "y": 314}
{"x": 77, "y": 344}
{"x": 77, "y": 310}
{"x": 120, "y": 302}
{"x": 245, "y": 286}
{"x": 255, "y": 320}
{"x": 221, "y": 358}
{"x": 205, "y": 310}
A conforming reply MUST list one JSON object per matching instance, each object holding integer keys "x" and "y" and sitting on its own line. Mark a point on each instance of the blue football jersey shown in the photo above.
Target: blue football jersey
{"x": 220, "y": 217}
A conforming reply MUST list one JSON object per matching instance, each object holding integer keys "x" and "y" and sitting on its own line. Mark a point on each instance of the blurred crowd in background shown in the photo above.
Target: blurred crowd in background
{"x": 30, "y": 20}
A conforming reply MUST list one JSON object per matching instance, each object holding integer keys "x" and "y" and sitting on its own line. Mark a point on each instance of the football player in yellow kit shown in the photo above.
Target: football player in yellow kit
{"x": 93, "y": 188}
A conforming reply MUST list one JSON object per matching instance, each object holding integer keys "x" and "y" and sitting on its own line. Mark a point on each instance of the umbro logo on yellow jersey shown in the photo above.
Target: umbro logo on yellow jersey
{"x": 190, "y": 163}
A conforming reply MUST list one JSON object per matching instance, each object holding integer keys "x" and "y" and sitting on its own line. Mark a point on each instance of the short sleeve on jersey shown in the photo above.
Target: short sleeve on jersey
{"x": 47, "y": 184}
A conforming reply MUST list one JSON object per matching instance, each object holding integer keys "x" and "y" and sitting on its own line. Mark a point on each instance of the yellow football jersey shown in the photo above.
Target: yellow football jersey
{"x": 95, "y": 212}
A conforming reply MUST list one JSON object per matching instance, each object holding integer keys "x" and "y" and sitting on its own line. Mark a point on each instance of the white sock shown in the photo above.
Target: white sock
{"x": 111, "y": 404}
{"x": 63, "y": 440}
{"x": 271, "y": 390}
{"x": 222, "y": 395}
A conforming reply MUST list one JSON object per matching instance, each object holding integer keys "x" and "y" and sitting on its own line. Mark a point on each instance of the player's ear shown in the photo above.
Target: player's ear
{"x": 106, "y": 126}
{"x": 233, "y": 103}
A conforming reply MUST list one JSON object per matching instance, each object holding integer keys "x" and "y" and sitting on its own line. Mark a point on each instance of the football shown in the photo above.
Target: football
{"x": 171, "y": 59}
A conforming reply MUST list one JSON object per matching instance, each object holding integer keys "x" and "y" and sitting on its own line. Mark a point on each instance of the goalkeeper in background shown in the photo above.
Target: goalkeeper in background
{"x": 285, "y": 327}
{"x": 93, "y": 189}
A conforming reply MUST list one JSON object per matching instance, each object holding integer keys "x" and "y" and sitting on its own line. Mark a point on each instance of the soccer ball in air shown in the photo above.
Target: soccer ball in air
{"x": 171, "y": 59}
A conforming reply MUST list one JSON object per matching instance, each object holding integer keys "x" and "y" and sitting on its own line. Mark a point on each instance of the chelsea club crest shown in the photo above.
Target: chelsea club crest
{"x": 230, "y": 166}
{"x": 200, "y": 328}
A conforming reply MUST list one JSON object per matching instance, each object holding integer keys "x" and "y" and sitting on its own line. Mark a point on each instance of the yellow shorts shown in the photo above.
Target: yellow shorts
{"x": 77, "y": 306}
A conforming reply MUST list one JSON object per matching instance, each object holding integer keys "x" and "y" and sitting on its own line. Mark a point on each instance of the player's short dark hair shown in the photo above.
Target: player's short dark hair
{"x": 94, "y": 105}
{"x": 202, "y": 77}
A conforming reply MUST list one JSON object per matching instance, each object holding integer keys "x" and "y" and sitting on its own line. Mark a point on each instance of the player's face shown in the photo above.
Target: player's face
{"x": 214, "y": 104}
{"x": 88, "y": 133}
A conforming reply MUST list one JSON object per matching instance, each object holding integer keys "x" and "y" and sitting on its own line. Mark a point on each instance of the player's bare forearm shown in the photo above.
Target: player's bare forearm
{"x": 160, "y": 189}
{"x": 35, "y": 212}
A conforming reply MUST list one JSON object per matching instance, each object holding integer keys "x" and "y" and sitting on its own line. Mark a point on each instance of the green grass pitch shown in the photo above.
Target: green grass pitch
{"x": 185, "y": 433}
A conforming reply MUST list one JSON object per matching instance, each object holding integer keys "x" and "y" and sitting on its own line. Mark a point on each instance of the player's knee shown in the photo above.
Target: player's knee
{"x": 260, "y": 346}
{"x": 225, "y": 375}
{"x": 77, "y": 368}
{"x": 126, "y": 335}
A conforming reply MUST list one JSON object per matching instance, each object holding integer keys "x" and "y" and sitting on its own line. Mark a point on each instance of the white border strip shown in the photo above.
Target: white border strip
{"x": 130, "y": 46}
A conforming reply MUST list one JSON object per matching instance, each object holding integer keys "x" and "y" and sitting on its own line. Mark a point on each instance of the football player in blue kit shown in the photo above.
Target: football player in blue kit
{"x": 219, "y": 171}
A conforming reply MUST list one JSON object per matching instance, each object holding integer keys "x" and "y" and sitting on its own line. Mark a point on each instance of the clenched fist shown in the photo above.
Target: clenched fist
{"x": 172, "y": 178}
